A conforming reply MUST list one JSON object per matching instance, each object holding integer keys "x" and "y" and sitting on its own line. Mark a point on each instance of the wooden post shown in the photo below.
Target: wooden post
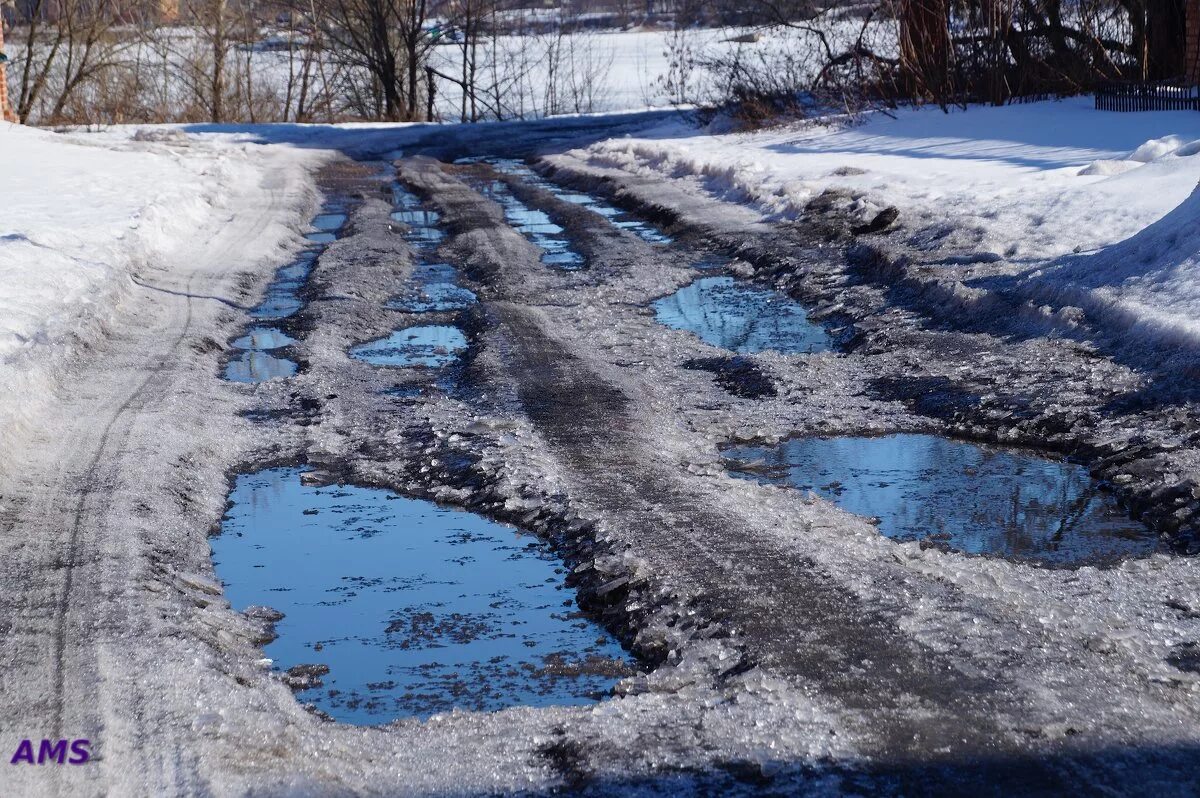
{"x": 6, "y": 111}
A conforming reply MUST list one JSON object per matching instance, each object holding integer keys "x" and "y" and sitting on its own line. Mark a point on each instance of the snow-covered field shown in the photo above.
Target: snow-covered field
{"x": 85, "y": 216}
{"x": 1027, "y": 185}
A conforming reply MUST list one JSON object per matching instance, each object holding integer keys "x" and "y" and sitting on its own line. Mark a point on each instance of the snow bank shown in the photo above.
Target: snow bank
{"x": 82, "y": 214}
{"x": 1032, "y": 183}
{"x": 1149, "y": 282}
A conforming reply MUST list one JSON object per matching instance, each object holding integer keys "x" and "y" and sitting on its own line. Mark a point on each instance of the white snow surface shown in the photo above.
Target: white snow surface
{"x": 1036, "y": 185}
{"x": 86, "y": 217}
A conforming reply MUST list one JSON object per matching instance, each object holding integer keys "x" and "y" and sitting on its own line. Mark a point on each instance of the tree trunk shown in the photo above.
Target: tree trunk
{"x": 925, "y": 49}
{"x": 1166, "y": 42}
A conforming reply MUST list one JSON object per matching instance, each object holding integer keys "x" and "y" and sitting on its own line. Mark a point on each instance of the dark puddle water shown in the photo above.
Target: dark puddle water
{"x": 414, "y": 608}
{"x": 975, "y": 499}
{"x": 619, "y": 218}
{"x": 432, "y": 346}
{"x": 740, "y": 317}
{"x": 282, "y": 299}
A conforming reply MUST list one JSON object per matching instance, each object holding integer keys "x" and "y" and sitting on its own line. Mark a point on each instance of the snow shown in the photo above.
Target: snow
{"x": 1032, "y": 184}
{"x": 86, "y": 218}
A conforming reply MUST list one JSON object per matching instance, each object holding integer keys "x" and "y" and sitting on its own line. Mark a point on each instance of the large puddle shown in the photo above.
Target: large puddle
{"x": 740, "y": 317}
{"x": 431, "y": 346}
{"x": 975, "y": 499}
{"x": 256, "y": 363}
{"x": 413, "y": 608}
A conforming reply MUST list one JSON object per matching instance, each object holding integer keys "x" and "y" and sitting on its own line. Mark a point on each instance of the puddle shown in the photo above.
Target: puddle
{"x": 402, "y": 197}
{"x": 433, "y": 287}
{"x": 535, "y": 226}
{"x": 258, "y": 367}
{"x": 282, "y": 299}
{"x": 416, "y": 218}
{"x": 263, "y": 339}
{"x": 711, "y": 262}
{"x": 424, "y": 237}
{"x": 626, "y": 221}
{"x": 432, "y": 346}
{"x": 329, "y": 222}
{"x": 740, "y": 317}
{"x": 972, "y": 498}
{"x": 414, "y": 608}
{"x": 420, "y": 224}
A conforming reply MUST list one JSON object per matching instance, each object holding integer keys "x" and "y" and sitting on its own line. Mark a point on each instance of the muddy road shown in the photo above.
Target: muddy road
{"x": 584, "y": 355}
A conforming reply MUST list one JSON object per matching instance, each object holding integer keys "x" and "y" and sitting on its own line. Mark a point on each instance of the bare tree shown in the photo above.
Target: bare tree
{"x": 387, "y": 41}
{"x": 67, "y": 48}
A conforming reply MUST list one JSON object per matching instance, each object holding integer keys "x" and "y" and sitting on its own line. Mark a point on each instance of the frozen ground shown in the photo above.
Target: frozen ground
{"x": 786, "y": 644}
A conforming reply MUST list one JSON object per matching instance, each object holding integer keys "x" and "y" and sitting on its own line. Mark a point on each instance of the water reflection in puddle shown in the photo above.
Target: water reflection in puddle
{"x": 535, "y": 226}
{"x": 258, "y": 367}
{"x": 417, "y": 217}
{"x": 741, "y": 318}
{"x": 329, "y": 222}
{"x": 414, "y": 608}
{"x": 432, "y": 287}
{"x": 626, "y": 221}
{"x": 432, "y": 346}
{"x": 976, "y": 499}
{"x": 262, "y": 339}
{"x": 282, "y": 299}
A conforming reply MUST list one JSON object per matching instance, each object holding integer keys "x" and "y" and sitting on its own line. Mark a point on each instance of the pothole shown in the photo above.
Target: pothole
{"x": 329, "y": 222}
{"x": 282, "y": 299}
{"x": 418, "y": 224}
{"x": 743, "y": 318}
{"x": 535, "y": 226}
{"x": 963, "y": 496}
{"x": 432, "y": 346}
{"x": 432, "y": 287}
{"x": 262, "y": 339}
{"x": 619, "y": 218}
{"x": 397, "y": 607}
{"x": 258, "y": 367}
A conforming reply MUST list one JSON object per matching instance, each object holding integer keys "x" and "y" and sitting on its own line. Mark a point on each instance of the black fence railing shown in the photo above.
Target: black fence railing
{"x": 1164, "y": 96}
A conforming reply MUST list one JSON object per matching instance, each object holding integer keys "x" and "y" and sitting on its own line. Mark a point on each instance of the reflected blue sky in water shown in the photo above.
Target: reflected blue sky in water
{"x": 740, "y": 317}
{"x": 977, "y": 499}
{"x": 415, "y": 608}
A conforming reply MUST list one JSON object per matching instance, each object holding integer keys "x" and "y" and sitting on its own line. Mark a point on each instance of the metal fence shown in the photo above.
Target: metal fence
{"x": 1168, "y": 96}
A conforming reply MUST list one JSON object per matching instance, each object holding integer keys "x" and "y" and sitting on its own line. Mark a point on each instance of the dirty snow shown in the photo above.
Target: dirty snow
{"x": 89, "y": 216}
{"x": 1030, "y": 186}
